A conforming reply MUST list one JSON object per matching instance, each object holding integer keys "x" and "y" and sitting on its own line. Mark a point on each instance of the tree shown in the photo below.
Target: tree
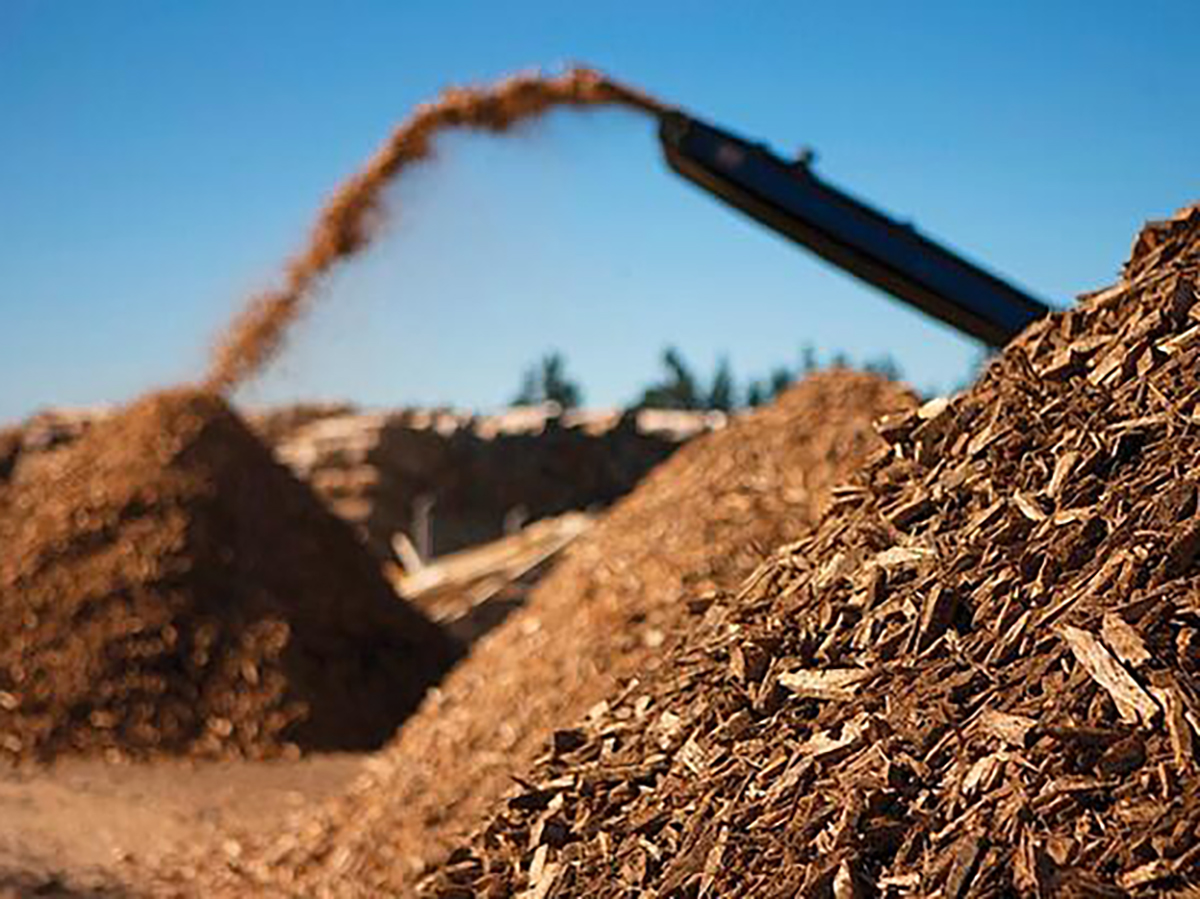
{"x": 808, "y": 359}
{"x": 556, "y": 386}
{"x": 531, "y": 391}
{"x": 755, "y": 394}
{"x": 884, "y": 366}
{"x": 677, "y": 391}
{"x": 722, "y": 395}
{"x": 781, "y": 379}
{"x": 547, "y": 382}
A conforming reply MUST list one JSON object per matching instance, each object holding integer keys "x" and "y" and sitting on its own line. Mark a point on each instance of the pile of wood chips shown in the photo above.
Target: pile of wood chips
{"x": 608, "y": 612}
{"x": 980, "y": 676}
{"x": 167, "y": 587}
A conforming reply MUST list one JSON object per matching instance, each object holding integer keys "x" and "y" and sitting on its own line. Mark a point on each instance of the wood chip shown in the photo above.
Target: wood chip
{"x": 1123, "y": 640}
{"x": 833, "y": 684}
{"x": 1133, "y": 703}
{"x": 1012, "y": 729}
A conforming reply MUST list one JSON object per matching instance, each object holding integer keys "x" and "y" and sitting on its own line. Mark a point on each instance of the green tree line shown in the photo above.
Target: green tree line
{"x": 679, "y": 387}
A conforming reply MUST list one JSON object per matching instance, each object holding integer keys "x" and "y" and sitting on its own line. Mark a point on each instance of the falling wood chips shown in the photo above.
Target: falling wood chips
{"x": 978, "y": 677}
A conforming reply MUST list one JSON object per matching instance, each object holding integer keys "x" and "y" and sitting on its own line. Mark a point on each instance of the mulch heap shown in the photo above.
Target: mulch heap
{"x": 692, "y": 529}
{"x": 167, "y": 587}
{"x": 10, "y": 448}
{"x": 977, "y": 677}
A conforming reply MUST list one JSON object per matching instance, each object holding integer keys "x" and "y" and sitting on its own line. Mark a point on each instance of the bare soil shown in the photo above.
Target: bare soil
{"x": 68, "y": 827}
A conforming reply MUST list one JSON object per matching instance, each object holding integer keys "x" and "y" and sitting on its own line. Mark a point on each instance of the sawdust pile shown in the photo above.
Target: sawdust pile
{"x": 352, "y": 217}
{"x": 977, "y": 677}
{"x": 167, "y": 587}
{"x": 690, "y": 531}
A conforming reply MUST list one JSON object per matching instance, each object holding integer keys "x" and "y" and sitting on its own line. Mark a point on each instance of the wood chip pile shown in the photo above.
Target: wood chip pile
{"x": 980, "y": 676}
{"x": 694, "y": 528}
{"x": 25, "y": 446}
{"x": 10, "y": 451}
{"x": 167, "y": 587}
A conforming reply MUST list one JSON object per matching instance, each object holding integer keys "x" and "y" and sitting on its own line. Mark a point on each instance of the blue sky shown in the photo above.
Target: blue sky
{"x": 159, "y": 160}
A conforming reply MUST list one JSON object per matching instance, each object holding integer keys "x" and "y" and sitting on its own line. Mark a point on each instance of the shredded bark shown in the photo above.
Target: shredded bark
{"x": 167, "y": 587}
{"x": 645, "y": 573}
{"x": 977, "y": 677}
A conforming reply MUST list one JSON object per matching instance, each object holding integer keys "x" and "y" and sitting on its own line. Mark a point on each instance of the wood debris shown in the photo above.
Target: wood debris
{"x": 663, "y": 558}
{"x": 1133, "y": 703}
{"x": 168, "y": 588}
{"x": 1018, "y": 574}
{"x": 471, "y": 591}
{"x": 836, "y": 683}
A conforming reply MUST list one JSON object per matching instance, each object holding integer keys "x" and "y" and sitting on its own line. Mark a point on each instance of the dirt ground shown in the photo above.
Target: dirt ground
{"x": 64, "y": 829}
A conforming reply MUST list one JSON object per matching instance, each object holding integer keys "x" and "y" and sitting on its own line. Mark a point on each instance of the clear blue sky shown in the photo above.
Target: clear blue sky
{"x": 159, "y": 159}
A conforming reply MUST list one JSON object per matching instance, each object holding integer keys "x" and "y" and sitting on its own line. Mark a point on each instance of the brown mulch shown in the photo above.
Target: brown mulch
{"x": 167, "y": 587}
{"x": 692, "y": 530}
{"x": 10, "y": 450}
{"x": 979, "y": 676}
